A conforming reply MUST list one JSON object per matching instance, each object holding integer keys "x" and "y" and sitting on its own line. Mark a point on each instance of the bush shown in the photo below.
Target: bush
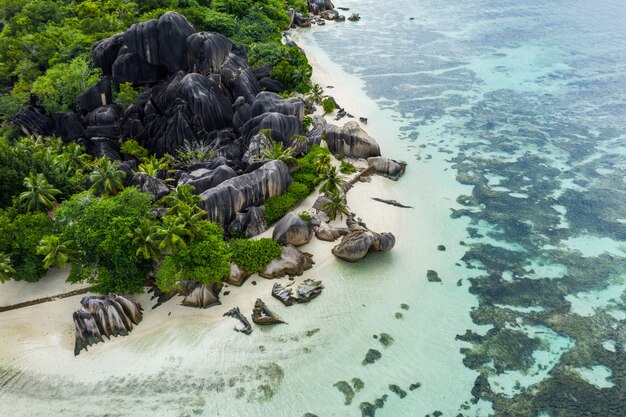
{"x": 307, "y": 121}
{"x": 126, "y": 95}
{"x": 205, "y": 261}
{"x": 328, "y": 105}
{"x": 133, "y": 148}
{"x": 20, "y": 235}
{"x": 305, "y": 216}
{"x": 101, "y": 228}
{"x": 254, "y": 255}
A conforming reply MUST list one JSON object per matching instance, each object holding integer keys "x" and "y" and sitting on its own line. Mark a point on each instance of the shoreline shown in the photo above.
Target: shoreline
{"x": 47, "y": 329}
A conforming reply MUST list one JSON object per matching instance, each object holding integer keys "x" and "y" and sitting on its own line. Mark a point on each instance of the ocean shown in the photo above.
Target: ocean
{"x": 512, "y": 119}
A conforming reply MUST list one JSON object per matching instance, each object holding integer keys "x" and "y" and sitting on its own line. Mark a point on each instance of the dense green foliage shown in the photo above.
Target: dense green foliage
{"x": 328, "y": 105}
{"x": 45, "y": 45}
{"x": 61, "y": 165}
{"x": 101, "y": 229}
{"x": 205, "y": 260}
{"x": 253, "y": 255}
{"x": 304, "y": 182}
{"x": 347, "y": 168}
{"x": 20, "y": 235}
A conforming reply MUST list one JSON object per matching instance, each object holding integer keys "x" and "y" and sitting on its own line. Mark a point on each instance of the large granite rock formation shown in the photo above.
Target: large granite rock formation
{"x": 108, "y": 315}
{"x": 292, "y": 230}
{"x": 292, "y": 262}
{"x": 352, "y": 141}
{"x": 200, "y": 295}
{"x": 360, "y": 240}
{"x": 250, "y": 222}
{"x": 237, "y": 275}
{"x": 230, "y": 197}
{"x": 387, "y": 167}
{"x": 317, "y": 6}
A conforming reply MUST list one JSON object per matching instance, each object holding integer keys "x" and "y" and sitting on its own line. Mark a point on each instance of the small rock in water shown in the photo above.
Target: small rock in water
{"x": 363, "y": 120}
{"x": 358, "y": 384}
{"x": 309, "y": 415}
{"x": 459, "y": 283}
{"x": 399, "y": 315}
{"x": 437, "y": 414}
{"x": 226, "y": 292}
{"x": 367, "y": 409}
{"x": 346, "y": 389}
{"x": 371, "y": 356}
{"x": 441, "y": 248}
{"x": 415, "y": 386}
{"x": 432, "y": 276}
{"x": 411, "y": 18}
{"x": 404, "y": 306}
{"x": 397, "y": 390}
{"x": 375, "y": 336}
{"x": 386, "y": 340}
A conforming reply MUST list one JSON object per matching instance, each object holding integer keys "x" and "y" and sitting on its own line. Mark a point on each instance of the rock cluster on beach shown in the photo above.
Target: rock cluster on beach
{"x": 108, "y": 315}
{"x": 360, "y": 240}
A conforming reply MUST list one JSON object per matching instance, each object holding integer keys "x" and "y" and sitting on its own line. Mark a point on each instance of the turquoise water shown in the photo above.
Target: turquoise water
{"x": 526, "y": 102}
{"x": 512, "y": 117}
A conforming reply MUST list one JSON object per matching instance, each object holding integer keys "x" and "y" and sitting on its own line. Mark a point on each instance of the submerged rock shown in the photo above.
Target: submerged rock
{"x": 371, "y": 356}
{"x": 308, "y": 290}
{"x": 235, "y": 313}
{"x": 397, "y": 390}
{"x": 263, "y": 315}
{"x": 352, "y": 141}
{"x": 108, "y": 315}
{"x": 292, "y": 262}
{"x": 347, "y": 391}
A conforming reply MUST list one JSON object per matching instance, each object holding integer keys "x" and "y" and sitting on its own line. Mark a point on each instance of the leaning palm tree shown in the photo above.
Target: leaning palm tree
{"x": 333, "y": 181}
{"x": 172, "y": 237}
{"x": 146, "y": 240}
{"x": 336, "y": 205}
{"x": 317, "y": 94}
{"x": 5, "y": 267}
{"x": 56, "y": 251}
{"x": 39, "y": 194}
{"x": 322, "y": 162}
{"x": 72, "y": 159}
{"x": 106, "y": 178}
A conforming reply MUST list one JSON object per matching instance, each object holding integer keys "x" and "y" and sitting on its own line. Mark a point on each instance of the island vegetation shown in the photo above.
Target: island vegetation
{"x": 121, "y": 215}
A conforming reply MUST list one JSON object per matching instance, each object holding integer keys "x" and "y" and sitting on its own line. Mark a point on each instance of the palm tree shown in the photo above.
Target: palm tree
{"x": 40, "y": 193}
{"x": 336, "y": 205}
{"x": 106, "y": 178}
{"x": 171, "y": 236}
{"x": 57, "y": 253}
{"x": 72, "y": 159}
{"x": 146, "y": 239}
{"x": 278, "y": 152}
{"x": 317, "y": 94}
{"x": 152, "y": 165}
{"x": 333, "y": 181}
{"x": 5, "y": 267}
{"x": 191, "y": 219}
{"x": 182, "y": 196}
{"x": 322, "y": 162}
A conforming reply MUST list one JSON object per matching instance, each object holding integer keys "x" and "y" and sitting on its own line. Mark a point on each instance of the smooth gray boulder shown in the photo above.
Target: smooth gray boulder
{"x": 352, "y": 141}
{"x": 292, "y": 230}
{"x": 202, "y": 296}
{"x": 267, "y": 102}
{"x": 223, "y": 202}
{"x": 387, "y": 167}
{"x": 207, "y": 51}
{"x": 209, "y": 178}
{"x": 108, "y": 315}
{"x": 360, "y": 240}
{"x": 237, "y": 275}
{"x": 148, "y": 184}
{"x": 328, "y": 233}
{"x": 292, "y": 262}
{"x": 250, "y": 222}
{"x": 282, "y": 127}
